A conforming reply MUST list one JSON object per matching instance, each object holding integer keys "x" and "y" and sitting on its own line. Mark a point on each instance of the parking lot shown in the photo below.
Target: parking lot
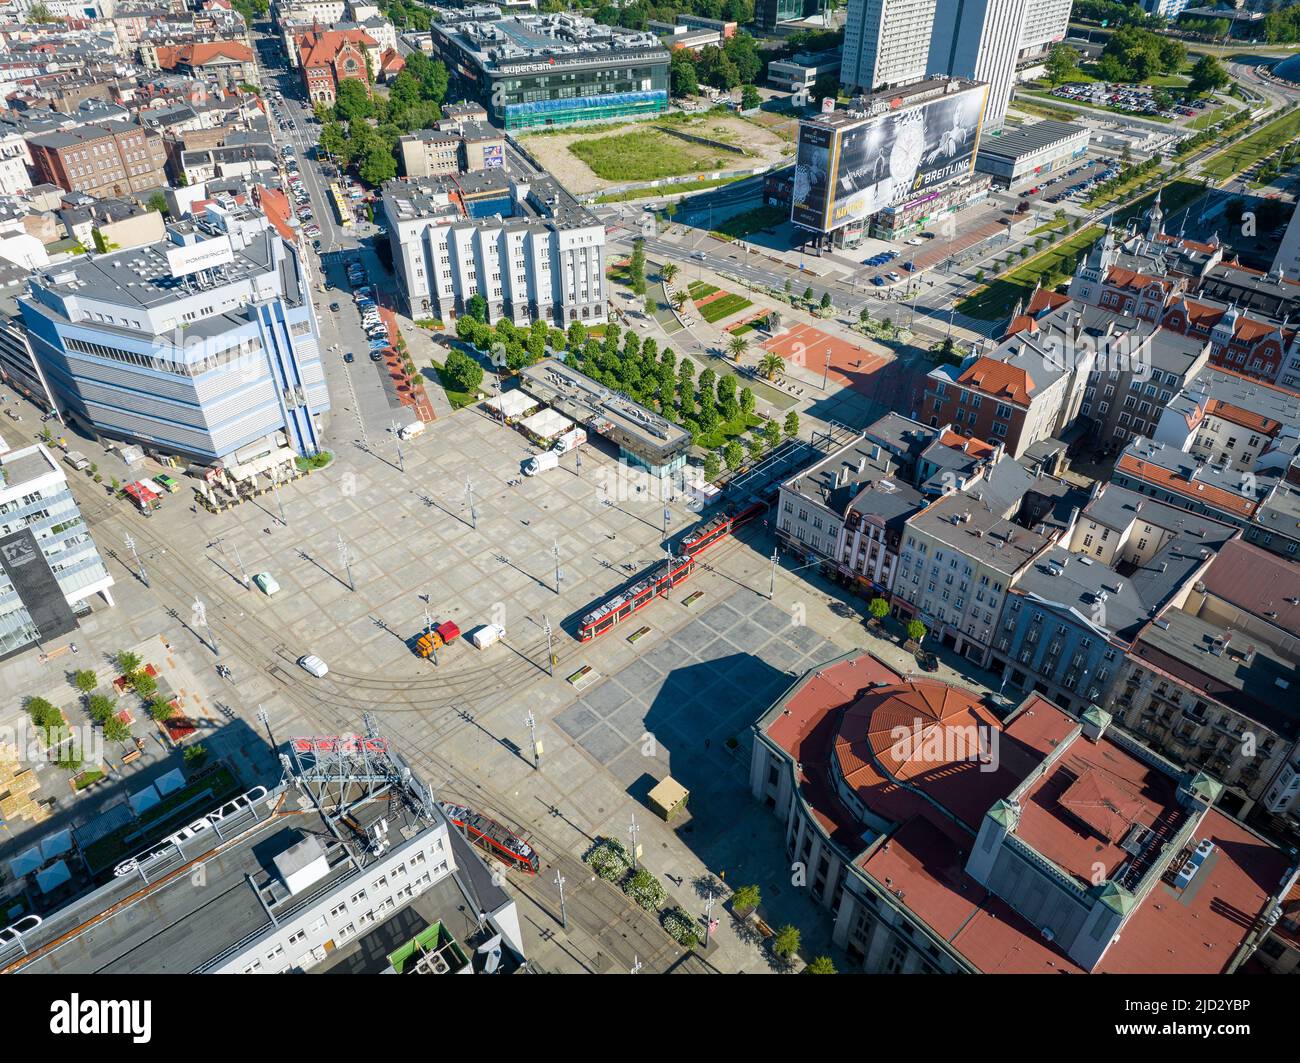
{"x": 1134, "y": 99}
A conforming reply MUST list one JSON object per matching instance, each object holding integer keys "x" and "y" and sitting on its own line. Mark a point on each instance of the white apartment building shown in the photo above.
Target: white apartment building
{"x": 15, "y": 157}
{"x": 529, "y": 250}
{"x": 1046, "y": 23}
{"x": 886, "y": 42}
{"x": 980, "y": 39}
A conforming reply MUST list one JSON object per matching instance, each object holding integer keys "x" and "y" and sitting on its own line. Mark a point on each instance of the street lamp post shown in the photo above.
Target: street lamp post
{"x": 201, "y": 616}
{"x": 826, "y": 376}
{"x": 532, "y": 734}
{"x": 345, "y": 557}
{"x": 550, "y": 658}
{"x": 564, "y": 914}
{"x": 130, "y": 545}
{"x": 397, "y": 435}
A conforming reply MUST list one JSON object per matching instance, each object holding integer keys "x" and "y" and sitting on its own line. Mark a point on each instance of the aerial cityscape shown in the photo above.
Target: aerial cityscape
{"x": 683, "y": 487}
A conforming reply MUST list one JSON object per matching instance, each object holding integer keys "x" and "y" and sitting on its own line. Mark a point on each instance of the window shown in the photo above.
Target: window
{"x": 337, "y": 910}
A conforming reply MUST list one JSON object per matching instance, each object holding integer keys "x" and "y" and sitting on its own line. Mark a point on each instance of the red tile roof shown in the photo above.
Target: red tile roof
{"x": 1043, "y": 301}
{"x": 923, "y": 734}
{"x": 1257, "y": 581}
{"x": 1119, "y": 277}
{"x": 1080, "y": 811}
{"x": 1246, "y": 418}
{"x": 194, "y": 55}
{"x": 999, "y": 379}
{"x": 317, "y": 49}
{"x": 976, "y": 448}
{"x": 275, "y": 205}
{"x": 1157, "y": 476}
{"x": 806, "y": 730}
{"x": 1075, "y": 814}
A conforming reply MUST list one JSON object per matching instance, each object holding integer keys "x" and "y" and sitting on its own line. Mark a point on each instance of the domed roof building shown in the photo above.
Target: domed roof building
{"x": 947, "y": 837}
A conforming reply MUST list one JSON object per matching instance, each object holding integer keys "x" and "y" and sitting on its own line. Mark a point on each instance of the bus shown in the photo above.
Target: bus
{"x": 341, "y": 205}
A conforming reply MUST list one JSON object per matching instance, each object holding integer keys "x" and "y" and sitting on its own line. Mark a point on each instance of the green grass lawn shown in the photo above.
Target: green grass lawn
{"x": 726, "y": 306}
{"x": 1249, "y": 150}
{"x": 1127, "y": 188}
{"x": 1212, "y": 117}
{"x": 996, "y": 300}
{"x": 728, "y": 431}
{"x": 458, "y": 399}
{"x": 648, "y": 155}
{"x": 1043, "y": 110}
{"x": 700, "y": 289}
{"x": 1054, "y": 226}
{"x": 1173, "y": 197}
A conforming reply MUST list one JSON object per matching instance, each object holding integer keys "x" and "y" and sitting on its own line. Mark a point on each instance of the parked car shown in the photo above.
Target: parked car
{"x": 267, "y": 585}
{"x": 349, "y": 358}
{"x": 313, "y": 665}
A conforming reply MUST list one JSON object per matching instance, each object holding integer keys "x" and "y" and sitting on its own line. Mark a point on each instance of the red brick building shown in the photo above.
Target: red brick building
{"x": 110, "y": 159}
{"x": 331, "y": 57}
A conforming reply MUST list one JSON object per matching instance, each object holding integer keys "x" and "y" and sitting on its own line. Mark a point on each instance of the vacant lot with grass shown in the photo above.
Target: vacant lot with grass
{"x": 649, "y": 154}
{"x": 594, "y": 158}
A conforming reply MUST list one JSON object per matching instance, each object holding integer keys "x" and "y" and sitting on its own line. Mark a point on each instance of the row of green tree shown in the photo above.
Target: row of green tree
{"x": 620, "y": 360}
{"x": 406, "y": 14}
{"x": 638, "y": 14}
{"x": 1113, "y": 14}
{"x": 1204, "y": 27}
{"x": 1283, "y": 26}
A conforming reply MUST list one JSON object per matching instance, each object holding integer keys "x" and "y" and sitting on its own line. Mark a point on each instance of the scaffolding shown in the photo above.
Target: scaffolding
{"x": 341, "y": 773}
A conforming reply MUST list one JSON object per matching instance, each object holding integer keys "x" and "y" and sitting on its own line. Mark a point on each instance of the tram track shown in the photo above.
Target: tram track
{"x": 335, "y": 704}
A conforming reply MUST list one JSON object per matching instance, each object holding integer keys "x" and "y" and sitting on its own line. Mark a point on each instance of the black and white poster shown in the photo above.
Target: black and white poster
{"x": 885, "y": 159}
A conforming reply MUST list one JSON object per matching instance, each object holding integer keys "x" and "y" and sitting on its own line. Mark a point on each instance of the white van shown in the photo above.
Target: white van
{"x": 410, "y": 431}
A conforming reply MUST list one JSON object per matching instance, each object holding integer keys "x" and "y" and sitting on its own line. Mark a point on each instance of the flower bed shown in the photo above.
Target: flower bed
{"x": 178, "y": 727}
{"x": 609, "y": 859}
{"x": 121, "y": 684}
{"x": 645, "y": 890}
{"x": 681, "y": 927}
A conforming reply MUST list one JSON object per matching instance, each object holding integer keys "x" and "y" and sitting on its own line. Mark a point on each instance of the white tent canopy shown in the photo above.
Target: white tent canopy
{"x": 512, "y": 404}
{"x": 52, "y": 876}
{"x": 25, "y": 863}
{"x": 171, "y": 782}
{"x": 56, "y": 844}
{"x": 547, "y": 424}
